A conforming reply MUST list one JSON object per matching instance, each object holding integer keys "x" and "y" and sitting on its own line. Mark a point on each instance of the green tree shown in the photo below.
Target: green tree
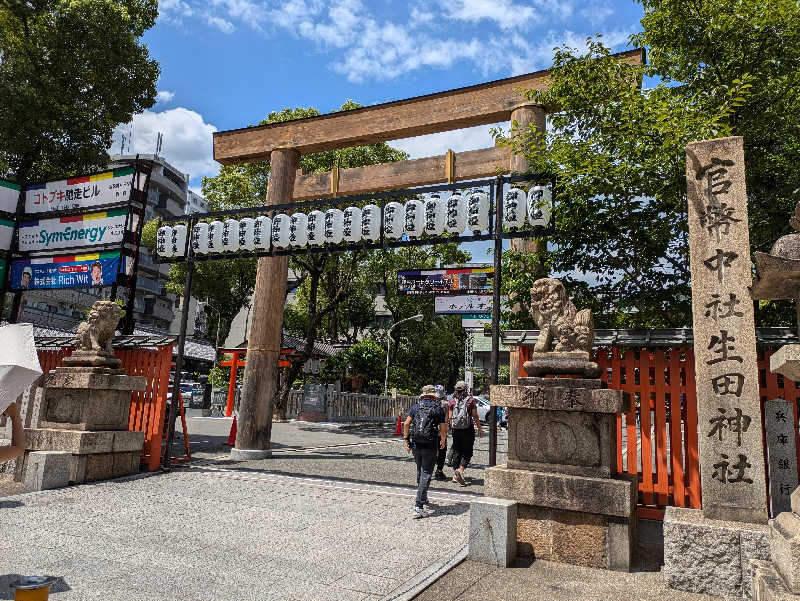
{"x": 69, "y": 73}
{"x": 618, "y": 153}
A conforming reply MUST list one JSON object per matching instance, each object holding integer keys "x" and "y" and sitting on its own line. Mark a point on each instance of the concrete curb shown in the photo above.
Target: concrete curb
{"x": 410, "y": 589}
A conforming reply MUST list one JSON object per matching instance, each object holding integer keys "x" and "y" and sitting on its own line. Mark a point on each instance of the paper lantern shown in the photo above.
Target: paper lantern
{"x": 334, "y": 226}
{"x": 414, "y": 222}
{"x": 316, "y": 228}
{"x": 164, "y": 241}
{"x": 179, "y": 241}
{"x": 280, "y": 230}
{"x": 230, "y": 235}
{"x": 262, "y": 230}
{"x": 477, "y": 211}
{"x": 393, "y": 220}
{"x": 455, "y": 216}
{"x": 215, "y": 236}
{"x": 351, "y": 224}
{"x": 200, "y": 238}
{"x": 371, "y": 223}
{"x": 246, "y": 227}
{"x": 540, "y": 206}
{"x": 435, "y": 211}
{"x": 298, "y": 229}
{"x": 514, "y": 208}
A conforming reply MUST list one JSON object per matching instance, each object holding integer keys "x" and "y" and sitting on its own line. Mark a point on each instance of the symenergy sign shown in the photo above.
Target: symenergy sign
{"x": 85, "y": 192}
{"x": 107, "y": 227}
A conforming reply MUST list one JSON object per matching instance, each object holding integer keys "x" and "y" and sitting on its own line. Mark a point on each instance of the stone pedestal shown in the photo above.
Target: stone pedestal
{"x": 84, "y": 414}
{"x": 572, "y": 506}
{"x": 779, "y": 578}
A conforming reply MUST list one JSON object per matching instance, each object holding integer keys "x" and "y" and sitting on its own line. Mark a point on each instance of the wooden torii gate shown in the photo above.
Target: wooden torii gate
{"x": 282, "y": 144}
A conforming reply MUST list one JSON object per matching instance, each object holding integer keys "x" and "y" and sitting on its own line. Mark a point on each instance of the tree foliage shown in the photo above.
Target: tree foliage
{"x": 70, "y": 71}
{"x": 618, "y": 152}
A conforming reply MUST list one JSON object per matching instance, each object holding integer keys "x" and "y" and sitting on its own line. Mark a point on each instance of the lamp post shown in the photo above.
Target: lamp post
{"x": 417, "y": 317}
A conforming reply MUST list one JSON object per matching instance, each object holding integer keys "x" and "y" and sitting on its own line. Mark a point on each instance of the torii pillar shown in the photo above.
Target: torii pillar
{"x": 264, "y": 338}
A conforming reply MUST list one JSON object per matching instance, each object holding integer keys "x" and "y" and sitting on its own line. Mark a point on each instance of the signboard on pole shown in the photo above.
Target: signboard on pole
{"x": 65, "y": 271}
{"x": 476, "y": 321}
{"x": 85, "y": 192}
{"x": 440, "y": 282}
{"x": 464, "y": 305}
{"x": 9, "y": 196}
{"x": 78, "y": 231}
{"x": 6, "y": 233}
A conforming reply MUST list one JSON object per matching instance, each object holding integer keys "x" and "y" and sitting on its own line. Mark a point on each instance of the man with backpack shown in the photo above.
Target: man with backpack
{"x": 425, "y": 431}
{"x": 463, "y": 414}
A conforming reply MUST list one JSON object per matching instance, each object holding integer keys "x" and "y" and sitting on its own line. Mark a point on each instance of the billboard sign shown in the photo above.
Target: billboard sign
{"x": 465, "y": 304}
{"x": 6, "y": 233}
{"x": 78, "y": 231}
{"x": 445, "y": 281}
{"x": 65, "y": 271}
{"x": 476, "y": 321}
{"x": 86, "y": 192}
{"x": 9, "y": 196}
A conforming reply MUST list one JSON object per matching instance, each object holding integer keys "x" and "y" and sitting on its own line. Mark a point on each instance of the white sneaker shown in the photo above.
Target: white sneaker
{"x": 419, "y": 512}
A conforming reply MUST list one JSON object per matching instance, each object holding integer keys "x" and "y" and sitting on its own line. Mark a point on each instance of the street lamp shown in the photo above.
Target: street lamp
{"x": 417, "y": 317}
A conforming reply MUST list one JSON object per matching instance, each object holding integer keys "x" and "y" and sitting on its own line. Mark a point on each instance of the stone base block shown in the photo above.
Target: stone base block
{"x": 708, "y": 556}
{"x": 767, "y": 583}
{"x": 47, "y": 469}
{"x": 81, "y": 442}
{"x": 312, "y": 416}
{"x": 493, "y": 531}
{"x": 784, "y": 540}
{"x": 250, "y": 454}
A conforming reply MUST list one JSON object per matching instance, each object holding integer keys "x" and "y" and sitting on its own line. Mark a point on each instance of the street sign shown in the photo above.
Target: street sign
{"x": 466, "y": 304}
{"x": 476, "y": 321}
{"x": 467, "y": 280}
{"x": 9, "y": 196}
{"x": 78, "y": 231}
{"x": 65, "y": 271}
{"x": 85, "y": 192}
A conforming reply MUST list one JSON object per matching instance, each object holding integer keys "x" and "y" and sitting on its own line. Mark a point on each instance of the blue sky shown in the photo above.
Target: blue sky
{"x": 227, "y": 63}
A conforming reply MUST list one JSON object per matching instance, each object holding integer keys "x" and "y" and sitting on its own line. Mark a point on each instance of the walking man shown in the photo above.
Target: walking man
{"x": 445, "y": 405}
{"x": 425, "y": 431}
{"x": 463, "y": 418}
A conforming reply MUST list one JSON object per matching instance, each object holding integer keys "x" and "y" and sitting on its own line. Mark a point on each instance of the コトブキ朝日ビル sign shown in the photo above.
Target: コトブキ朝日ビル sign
{"x": 92, "y": 229}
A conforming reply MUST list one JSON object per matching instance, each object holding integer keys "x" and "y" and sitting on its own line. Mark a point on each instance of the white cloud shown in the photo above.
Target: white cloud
{"x": 187, "y": 139}
{"x": 174, "y": 10}
{"x": 504, "y": 13}
{"x": 596, "y": 13}
{"x": 221, "y": 24}
{"x": 470, "y": 138}
{"x": 164, "y": 96}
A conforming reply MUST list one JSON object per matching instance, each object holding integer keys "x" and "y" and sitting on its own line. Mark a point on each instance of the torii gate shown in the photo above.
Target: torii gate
{"x": 282, "y": 144}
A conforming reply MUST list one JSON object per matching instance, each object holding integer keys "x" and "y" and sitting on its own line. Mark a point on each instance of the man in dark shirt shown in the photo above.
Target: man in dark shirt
{"x": 429, "y": 433}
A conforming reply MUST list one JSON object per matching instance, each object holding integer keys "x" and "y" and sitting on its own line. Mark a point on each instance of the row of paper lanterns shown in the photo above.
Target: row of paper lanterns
{"x": 432, "y": 216}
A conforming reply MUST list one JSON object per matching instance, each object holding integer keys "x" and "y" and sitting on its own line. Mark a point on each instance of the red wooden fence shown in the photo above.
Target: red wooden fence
{"x": 148, "y": 407}
{"x": 660, "y": 449}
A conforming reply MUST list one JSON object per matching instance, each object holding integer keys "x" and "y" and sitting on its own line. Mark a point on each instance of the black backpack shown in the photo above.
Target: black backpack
{"x": 425, "y": 426}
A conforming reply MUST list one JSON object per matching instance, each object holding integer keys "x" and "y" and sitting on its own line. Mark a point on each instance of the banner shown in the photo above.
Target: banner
{"x": 445, "y": 281}
{"x": 65, "y": 271}
{"x": 87, "y": 192}
{"x": 9, "y": 197}
{"x": 6, "y": 233}
{"x": 107, "y": 227}
{"x": 461, "y": 305}
{"x": 475, "y": 321}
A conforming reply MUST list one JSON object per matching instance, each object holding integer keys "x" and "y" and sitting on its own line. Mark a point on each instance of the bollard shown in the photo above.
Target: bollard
{"x": 32, "y": 588}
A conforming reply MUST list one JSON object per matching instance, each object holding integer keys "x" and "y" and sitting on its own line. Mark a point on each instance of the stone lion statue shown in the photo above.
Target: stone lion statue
{"x": 558, "y": 319}
{"x": 96, "y": 333}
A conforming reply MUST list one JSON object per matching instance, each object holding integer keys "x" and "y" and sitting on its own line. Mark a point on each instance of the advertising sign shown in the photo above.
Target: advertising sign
{"x": 467, "y": 304}
{"x": 107, "y": 227}
{"x": 6, "y": 233}
{"x": 9, "y": 196}
{"x": 65, "y": 271}
{"x": 87, "y": 192}
{"x": 445, "y": 281}
{"x": 477, "y": 321}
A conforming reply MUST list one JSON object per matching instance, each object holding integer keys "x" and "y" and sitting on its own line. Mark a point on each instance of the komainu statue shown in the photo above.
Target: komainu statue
{"x": 93, "y": 337}
{"x": 558, "y": 320}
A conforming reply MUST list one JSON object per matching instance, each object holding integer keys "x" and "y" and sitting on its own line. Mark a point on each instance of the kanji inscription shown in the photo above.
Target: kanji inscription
{"x": 781, "y": 454}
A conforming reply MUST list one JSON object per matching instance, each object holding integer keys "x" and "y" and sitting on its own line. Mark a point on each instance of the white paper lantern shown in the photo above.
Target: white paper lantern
{"x": 414, "y": 222}
{"x": 455, "y": 216}
{"x": 393, "y": 220}
{"x": 371, "y": 223}
{"x": 316, "y": 228}
{"x": 200, "y": 238}
{"x": 280, "y": 230}
{"x": 540, "y": 206}
{"x": 262, "y": 231}
{"x": 246, "y": 226}
{"x": 434, "y": 215}
{"x": 514, "y": 208}
{"x": 215, "y": 236}
{"x": 351, "y": 224}
{"x": 334, "y": 226}
{"x": 298, "y": 230}
{"x": 230, "y": 235}
{"x": 179, "y": 241}
{"x": 477, "y": 211}
{"x": 164, "y": 241}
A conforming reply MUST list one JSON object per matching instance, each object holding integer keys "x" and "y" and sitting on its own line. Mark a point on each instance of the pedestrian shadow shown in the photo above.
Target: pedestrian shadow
{"x": 12, "y": 504}
{"x": 57, "y": 585}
